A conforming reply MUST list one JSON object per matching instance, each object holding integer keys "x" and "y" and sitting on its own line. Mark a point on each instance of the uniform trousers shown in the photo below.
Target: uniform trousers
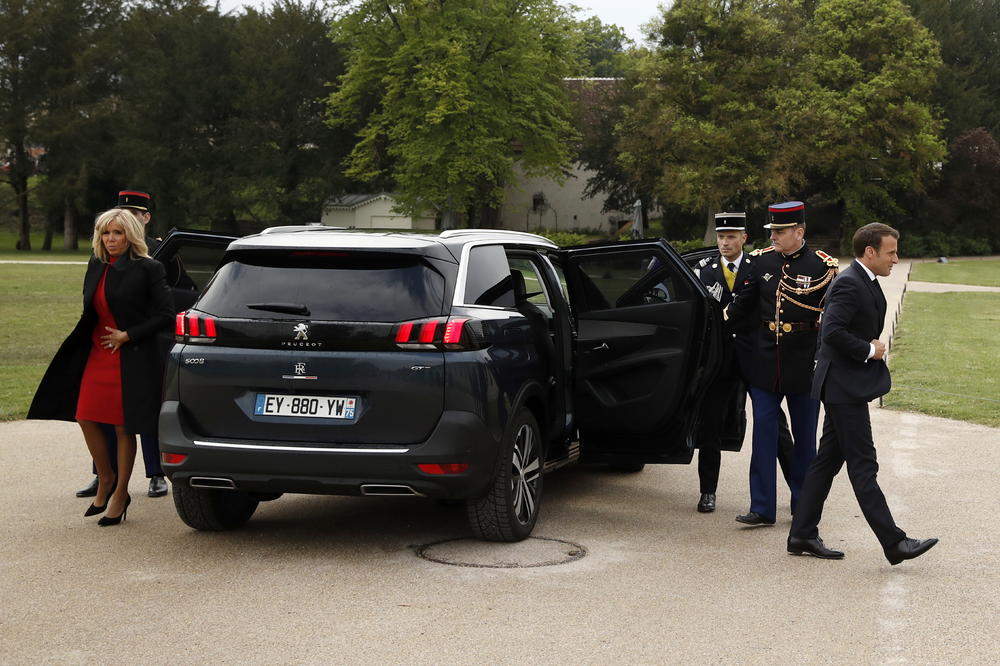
{"x": 150, "y": 443}
{"x": 847, "y": 437}
{"x": 803, "y": 411}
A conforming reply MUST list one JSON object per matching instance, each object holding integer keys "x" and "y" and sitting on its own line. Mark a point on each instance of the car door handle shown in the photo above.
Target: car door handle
{"x": 601, "y": 347}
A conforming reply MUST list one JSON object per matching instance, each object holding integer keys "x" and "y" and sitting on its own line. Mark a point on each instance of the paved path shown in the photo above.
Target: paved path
{"x": 335, "y": 580}
{"x": 940, "y": 287}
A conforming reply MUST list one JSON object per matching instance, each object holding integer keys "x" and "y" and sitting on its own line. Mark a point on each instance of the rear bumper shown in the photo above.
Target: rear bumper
{"x": 334, "y": 469}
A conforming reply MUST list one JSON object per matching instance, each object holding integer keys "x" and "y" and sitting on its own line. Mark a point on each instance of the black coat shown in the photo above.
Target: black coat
{"x": 784, "y": 290}
{"x": 854, "y": 316}
{"x": 137, "y": 293}
{"x": 738, "y": 355}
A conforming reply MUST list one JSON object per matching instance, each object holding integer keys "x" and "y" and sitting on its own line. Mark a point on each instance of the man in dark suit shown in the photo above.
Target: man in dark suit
{"x": 850, "y": 372}
{"x": 724, "y": 412}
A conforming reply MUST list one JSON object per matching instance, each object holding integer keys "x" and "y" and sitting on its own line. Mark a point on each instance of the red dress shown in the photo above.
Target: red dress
{"x": 101, "y": 387}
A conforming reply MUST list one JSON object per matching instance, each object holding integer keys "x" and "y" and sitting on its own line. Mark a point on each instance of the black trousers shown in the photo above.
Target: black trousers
{"x": 847, "y": 438}
{"x": 725, "y": 417}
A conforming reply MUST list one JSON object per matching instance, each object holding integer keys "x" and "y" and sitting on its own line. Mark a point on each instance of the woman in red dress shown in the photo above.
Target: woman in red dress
{"x": 110, "y": 368}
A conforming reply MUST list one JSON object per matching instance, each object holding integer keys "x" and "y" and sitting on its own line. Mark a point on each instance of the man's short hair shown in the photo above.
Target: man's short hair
{"x": 871, "y": 235}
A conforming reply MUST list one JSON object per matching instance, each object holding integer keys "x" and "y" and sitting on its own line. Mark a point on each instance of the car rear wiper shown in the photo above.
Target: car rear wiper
{"x": 289, "y": 308}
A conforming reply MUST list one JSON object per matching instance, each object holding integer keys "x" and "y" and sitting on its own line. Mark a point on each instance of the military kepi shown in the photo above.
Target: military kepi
{"x": 730, "y": 221}
{"x": 135, "y": 199}
{"x": 786, "y": 214}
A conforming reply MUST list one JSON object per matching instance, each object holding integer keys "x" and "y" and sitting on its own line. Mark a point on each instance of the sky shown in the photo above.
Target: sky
{"x": 627, "y": 14}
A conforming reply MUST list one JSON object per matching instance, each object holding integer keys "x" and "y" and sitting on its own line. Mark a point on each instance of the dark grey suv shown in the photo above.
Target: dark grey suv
{"x": 462, "y": 365}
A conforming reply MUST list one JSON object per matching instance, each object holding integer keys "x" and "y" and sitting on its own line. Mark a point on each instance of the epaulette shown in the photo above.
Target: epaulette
{"x": 827, "y": 259}
{"x": 761, "y": 250}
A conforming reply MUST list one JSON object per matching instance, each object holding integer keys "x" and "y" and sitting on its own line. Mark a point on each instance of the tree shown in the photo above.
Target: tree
{"x": 75, "y": 123}
{"x": 861, "y": 104}
{"x": 969, "y": 80}
{"x": 602, "y": 49}
{"x": 705, "y": 112}
{"x": 174, "y": 99}
{"x": 445, "y": 97}
{"x": 289, "y": 158}
{"x": 27, "y": 52}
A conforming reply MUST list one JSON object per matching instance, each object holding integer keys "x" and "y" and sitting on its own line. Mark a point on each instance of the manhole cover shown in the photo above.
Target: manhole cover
{"x": 532, "y": 552}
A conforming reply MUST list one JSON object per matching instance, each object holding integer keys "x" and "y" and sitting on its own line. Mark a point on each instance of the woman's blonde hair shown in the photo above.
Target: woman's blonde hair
{"x": 135, "y": 233}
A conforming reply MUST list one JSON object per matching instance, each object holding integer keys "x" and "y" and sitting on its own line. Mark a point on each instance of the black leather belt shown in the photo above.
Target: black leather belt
{"x": 791, "y": 326}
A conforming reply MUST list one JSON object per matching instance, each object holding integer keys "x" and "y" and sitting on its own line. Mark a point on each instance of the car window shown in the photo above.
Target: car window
{"x": 628, "y": 279}
{"x": 193, "y": 265}
{"x": 534, "y": 285}
{"x": 329, "y": 286}
{"x": 488, "y": 279}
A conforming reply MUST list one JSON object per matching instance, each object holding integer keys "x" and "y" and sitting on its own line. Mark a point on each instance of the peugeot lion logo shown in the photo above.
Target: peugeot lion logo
{"x": 301, "y": 331}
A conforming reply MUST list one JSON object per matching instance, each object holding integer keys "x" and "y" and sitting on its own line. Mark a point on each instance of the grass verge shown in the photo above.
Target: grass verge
{"x": 985, "y": 273}
{"x": 945, "y": 357}
{"x": 39, "y": 305}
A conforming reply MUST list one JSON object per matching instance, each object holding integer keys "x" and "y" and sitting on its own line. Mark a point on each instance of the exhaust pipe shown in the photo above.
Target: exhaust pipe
{"x": 383, "y": 490}
{"x": 211, "y": 482}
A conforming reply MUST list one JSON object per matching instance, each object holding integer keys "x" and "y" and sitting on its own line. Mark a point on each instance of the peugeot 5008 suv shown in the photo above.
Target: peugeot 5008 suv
{"x": 461, "y": 365}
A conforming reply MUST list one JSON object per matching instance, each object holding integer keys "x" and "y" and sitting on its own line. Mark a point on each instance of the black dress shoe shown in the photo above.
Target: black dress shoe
{"x": 157, "y": 486}
{"x": 814, "y": 547}
{"x": 907, "y": 549}
{"x": 753, "y": 519}
{"x": 707, "y": 503}
{"x": 89, "y": 490}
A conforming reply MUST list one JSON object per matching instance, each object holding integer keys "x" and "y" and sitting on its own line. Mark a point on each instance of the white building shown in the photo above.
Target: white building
{"x": 370, "y": 211}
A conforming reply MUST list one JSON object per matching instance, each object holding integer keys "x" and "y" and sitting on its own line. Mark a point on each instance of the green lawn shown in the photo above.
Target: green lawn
{"x": 8, "y": 241}
{"x": 945, "y": 357}
{"x": 39, "y": 305}
{"x": 985, "y": 273}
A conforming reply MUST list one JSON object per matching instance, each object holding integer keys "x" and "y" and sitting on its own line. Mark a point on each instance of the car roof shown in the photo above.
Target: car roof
{"x": 313, "y": 237}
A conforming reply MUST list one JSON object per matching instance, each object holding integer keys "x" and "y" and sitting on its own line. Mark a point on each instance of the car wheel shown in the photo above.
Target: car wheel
{"x": 509, "y": 510}
{"x": 627, "y": 468}
{"x": 213, "y": 510}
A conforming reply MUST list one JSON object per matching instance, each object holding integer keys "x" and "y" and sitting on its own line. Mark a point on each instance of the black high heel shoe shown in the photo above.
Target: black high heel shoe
{"x": 108, "y": 520}
{"x": 93, "y": 509}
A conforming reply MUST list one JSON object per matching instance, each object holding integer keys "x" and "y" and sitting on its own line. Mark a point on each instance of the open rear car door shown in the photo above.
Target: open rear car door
{"x": 648, "y": 346}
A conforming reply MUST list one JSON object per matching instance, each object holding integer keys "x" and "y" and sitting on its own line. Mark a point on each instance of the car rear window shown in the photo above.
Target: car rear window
{"x": 330, "y": 286}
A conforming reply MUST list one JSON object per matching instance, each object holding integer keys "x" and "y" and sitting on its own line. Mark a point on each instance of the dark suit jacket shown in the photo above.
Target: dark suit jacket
{"x": 853, "y": 317}
{"x": 142, "y": 305}
{"x": 739, "y": 354}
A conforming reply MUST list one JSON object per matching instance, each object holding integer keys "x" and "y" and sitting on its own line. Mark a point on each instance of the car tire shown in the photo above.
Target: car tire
{"x": 213, "y": 510}
{"x": 627, "y": 468}
{"x": 509, "y": 509}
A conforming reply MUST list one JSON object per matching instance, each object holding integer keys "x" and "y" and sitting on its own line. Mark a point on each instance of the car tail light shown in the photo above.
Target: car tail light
{"x": 172, "y": 458}
{"x": 443, "y": 468}
{"x": 452, "y": 333}
{"x": 191, "y": 327}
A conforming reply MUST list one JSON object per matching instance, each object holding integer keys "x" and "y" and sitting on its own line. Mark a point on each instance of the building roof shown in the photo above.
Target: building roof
{"x": 355, "y": 201}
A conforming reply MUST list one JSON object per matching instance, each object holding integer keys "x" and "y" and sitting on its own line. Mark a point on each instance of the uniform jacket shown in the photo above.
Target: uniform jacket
{"x": 142, "y": 305}
{"x": 783, "y": 289}
{"x": 739, "y": 354}
{"x": 854, "y": 315}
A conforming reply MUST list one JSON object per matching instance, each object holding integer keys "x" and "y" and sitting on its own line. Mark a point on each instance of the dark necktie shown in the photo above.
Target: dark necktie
{"x": 731, "y": 266}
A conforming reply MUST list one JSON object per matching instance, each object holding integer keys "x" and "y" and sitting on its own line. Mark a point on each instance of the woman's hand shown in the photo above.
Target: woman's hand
{"x": 114, "y": 339}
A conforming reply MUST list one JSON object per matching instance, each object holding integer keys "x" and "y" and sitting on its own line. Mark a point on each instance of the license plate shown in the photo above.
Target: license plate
{"x": 305, "y": 406}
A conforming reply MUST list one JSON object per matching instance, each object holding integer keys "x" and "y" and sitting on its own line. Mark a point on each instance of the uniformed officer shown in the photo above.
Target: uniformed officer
{"x": 141, "y": 205}
{"x": 783, "y": 298}
{"x": 724, "y": 410}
